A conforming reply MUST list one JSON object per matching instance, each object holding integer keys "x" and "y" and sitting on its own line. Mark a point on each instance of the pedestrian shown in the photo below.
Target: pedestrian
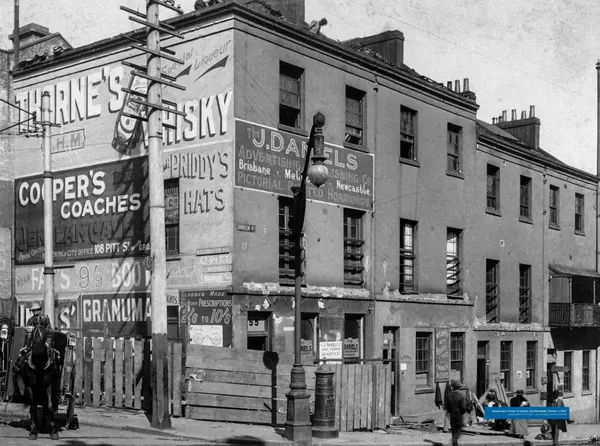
{"x": 457, "y": 407}
{"x": 557, "y": 425}
{"x": 519, "y": 427}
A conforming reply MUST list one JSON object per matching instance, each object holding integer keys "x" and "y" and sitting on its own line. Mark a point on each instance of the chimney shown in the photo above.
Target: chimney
{"x": 292, "y": 10}
{"x": 514, "y": 114}
{"x": 449, "y": 85}
{"x": 526, "y": 129}
{"x": 504, "y": 117}
{"x": 457, "y": 86}
{"x": 389, "y": 44}
{"x": 467, "y": 93}
{"x": 30, "y": 33}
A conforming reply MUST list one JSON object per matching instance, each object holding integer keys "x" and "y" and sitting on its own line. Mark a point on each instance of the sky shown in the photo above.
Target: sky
{"x": 515, "y": 54}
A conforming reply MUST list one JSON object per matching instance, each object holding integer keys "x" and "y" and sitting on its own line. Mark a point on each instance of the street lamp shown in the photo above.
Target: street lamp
{"x": 298, "y": 426}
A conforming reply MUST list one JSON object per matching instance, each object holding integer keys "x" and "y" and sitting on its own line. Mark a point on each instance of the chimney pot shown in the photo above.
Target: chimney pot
{"x": 457, "y": 86}
{"x": 532, "y": 111}
{"x": 524, "y": 114}
{"x": 514, "y": 114}
{"x": 466, "y": 84}
{"x": 493, "y": 120}
{"x": 449, "y": 85}
{"x": 504, "y": 115}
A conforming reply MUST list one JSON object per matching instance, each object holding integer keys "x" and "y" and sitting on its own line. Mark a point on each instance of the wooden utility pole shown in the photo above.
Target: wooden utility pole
{"x": 48, "y": 217}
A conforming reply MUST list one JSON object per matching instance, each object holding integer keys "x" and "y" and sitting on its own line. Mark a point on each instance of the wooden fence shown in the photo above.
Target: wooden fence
{"x": 115, "y": 372}
{"x": 225, "y": 384}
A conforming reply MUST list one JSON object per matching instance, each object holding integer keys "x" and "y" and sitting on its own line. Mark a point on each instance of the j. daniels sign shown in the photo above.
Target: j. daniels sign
{"x": 272, "y": 161}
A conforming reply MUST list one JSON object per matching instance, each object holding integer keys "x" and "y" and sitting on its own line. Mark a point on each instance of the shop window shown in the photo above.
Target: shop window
{"x": 353, "y": 247}
{"x": 353, "y": 336}
{"x": 506, "y": 364}
{"x": 531, "y": 364}
{"x": 585, "y": 370}
{"x": 457, "y": 356}
{"x": 423, "y": 361}
{"x": 308, "y": 334}
{"x": 568, "y": 375}
{"x": 172, "y": 215}
{"x": 259, "y": 333}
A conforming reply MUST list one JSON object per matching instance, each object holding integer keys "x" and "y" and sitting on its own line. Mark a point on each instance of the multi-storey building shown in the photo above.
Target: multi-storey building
{"x": 431, "y": 243}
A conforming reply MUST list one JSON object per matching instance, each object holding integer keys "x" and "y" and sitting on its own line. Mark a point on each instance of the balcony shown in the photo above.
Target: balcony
{"x": 574, "y": 315}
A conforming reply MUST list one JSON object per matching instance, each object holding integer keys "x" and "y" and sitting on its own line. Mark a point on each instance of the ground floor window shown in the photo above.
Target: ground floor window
{"x": 506, "y": 364}
{"x": 568, "y": 376}
{"x": 457, "y": 355}
{"x": 308, "y": 334}
{"x": 259, "y": 333}
{"x": 423, "y": 367}
{"x": 353, "y": 336}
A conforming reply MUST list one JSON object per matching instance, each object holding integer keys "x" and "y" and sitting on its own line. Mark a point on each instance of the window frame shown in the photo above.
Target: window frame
{"x": 314, "y": 320}
{"x": 585, "y": 370}
{"x": 407, "y": 254}
{"x": 454, "y": 156}
{"x": 493, "y": 172}
{"x": 525, "y": 295}
{"x": 359, "y": 97}
{"x": 172, "y": 230}
{"x": 457, "y": 339}
{"x": 525, "y": 183}
{"x": 296, "y": 75}
{"x": 568, "y": 373}
{"x": 360, "y": 319}
{"x": 354, "y": 247}
{"x": 409, "y": 136}
{"x": 492, "y": 290}
{"x": 424, "y": 359}
{"x": 531, "y": 364}
{"x": 506, "y": 364}
{"x": 579, "y": 212}
{"x": 554, "y": 207}
{"x": 453, "y": 264}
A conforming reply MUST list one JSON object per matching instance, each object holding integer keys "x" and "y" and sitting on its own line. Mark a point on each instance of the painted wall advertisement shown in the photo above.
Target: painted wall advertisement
{"x": 98, "y": 212}
{"x": 125, "y": 314}
{"x": 272, "y": 161}
{"x": 5, "y": 264}
{"x": 442, "y": 355}
{"x": 208, "y": 315}
{"x": 66, "y": 310}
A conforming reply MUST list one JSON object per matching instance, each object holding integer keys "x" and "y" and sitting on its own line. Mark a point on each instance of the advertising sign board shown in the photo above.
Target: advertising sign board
{"x": 98, "y": 212}
{"x": 208, "y": 314}
{"x": 122, "y": 314}
{"x": 272, "y": 161}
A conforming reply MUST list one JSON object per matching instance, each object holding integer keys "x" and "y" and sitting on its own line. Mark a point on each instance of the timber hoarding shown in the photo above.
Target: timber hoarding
{"x": 99, "y": 159}
{"x": 272, "y": 160}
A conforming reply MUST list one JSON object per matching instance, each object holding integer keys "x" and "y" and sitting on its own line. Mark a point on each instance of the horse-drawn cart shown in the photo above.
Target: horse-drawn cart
{"x": 64, "y": 344}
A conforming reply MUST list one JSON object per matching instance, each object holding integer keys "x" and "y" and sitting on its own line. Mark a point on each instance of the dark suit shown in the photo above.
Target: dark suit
{"x": 456, "y": 407}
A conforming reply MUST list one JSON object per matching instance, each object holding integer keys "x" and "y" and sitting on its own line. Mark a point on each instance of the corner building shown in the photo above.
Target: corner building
{"x": 396, "y": 242}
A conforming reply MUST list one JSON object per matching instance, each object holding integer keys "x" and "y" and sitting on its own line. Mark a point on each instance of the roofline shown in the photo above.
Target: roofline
{"x": 524, "y": 151}
{"x": 304, "y": 36}
{"x": 35, "y": 42}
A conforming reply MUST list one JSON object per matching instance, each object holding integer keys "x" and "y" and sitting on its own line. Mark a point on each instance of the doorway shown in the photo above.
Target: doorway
{"x": 483, "y": 361}
{"x": 390, "y": 342}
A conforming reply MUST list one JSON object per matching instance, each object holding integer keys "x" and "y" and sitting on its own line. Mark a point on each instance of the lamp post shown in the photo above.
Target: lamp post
{"x": 298, "y": 426}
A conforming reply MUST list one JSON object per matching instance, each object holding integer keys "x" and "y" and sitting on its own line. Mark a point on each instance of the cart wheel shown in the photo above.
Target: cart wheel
{"x": 70, "y": 412}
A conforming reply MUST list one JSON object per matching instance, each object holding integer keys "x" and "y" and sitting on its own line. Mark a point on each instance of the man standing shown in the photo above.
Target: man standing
{"x": 457, "y": 406}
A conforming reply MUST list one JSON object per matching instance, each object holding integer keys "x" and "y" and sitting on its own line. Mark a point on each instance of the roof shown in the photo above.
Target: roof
{"x": 571, "y": 271}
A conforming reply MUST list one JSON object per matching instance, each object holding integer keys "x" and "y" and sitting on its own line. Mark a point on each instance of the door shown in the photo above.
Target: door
{"x": 390, "y": 341}
{"x": 482, "y": 367}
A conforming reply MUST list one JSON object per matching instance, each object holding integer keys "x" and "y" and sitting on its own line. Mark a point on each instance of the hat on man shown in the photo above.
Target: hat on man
{"x": 455, "y": 384}
{"x": 36, "y": 307}
{"x": 520, "y": 392}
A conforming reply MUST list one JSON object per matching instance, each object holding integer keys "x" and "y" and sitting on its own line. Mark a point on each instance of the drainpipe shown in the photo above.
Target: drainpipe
{"x": 373, "y": 243}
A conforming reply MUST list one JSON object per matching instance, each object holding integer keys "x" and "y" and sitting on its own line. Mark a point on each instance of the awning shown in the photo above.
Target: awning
{"x": 570, "y": 271}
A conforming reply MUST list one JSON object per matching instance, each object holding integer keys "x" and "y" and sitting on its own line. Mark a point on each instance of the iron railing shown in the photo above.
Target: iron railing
{"x": 574, "y": 315}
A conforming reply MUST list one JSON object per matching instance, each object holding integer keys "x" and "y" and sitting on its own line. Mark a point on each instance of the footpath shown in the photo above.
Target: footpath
{"x": 234, "y": 433}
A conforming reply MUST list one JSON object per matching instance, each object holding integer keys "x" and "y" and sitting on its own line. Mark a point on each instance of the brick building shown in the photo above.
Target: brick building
{"x": 406, "y": 255}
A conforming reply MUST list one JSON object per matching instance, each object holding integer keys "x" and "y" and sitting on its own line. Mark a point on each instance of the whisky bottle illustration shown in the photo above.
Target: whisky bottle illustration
{"x": 128, "y": 130}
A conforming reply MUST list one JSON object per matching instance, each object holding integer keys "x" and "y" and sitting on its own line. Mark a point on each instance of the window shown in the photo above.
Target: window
{"x": 525, "y": 198}
{"x": 453, "y": 283}
{"x": 423, "y": 360}
{"x": 354, "y": 116}
{"x": 353, "y": 330}
{"x": 408, "y": 134}
{"x": 353, "y": 247}
{"x": 493, "y": 188}
{"x": 525, "y": 294}
{"x": 492, "y": 291}
{"x": 531, "y": 365}
{"x": 308, "y": 334}
{"x": 258, "y": 331}
{"x": 585, "y": 370}
{"x": 454, "y": 146}
{"x": 506, "y": 363}
{"x": 457, "y": 355}
{"x": 290, "y": 95}
{"x": 172, "y": 216}
{"x": 286, "y": 241}
{"x": 554, "y": 204}
{"x": 579, "y": 225}
{"x": 568, "y": 377}
{"x": 407, "y": 256}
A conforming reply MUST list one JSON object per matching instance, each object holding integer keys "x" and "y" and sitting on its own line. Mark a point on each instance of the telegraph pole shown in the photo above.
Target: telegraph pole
{"x": 154, "y": 106}
{"x": 48, "y": 217}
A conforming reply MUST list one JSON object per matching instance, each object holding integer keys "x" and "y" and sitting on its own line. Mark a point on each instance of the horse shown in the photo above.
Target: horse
{"x": 41, "y": 377}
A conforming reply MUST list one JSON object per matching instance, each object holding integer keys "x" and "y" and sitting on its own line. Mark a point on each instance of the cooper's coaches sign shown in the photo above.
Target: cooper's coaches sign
{"x": 99, "y": 212}
{"x": 272, "y": 161}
